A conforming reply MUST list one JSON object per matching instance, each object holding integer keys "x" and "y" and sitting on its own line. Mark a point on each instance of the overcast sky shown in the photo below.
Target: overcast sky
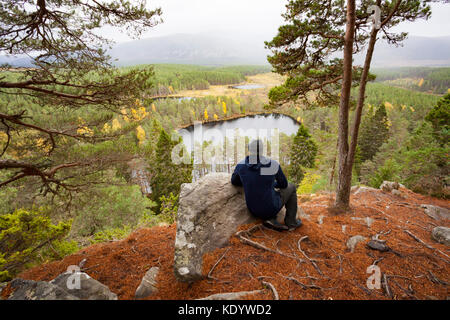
{"x": 259, "y": 18}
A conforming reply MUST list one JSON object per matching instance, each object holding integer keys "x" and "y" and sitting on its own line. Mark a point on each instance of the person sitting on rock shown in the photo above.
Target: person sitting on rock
{"x": 266, "y": 189}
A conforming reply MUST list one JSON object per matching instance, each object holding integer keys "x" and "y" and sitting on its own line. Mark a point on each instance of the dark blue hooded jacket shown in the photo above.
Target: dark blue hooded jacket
{"x": 261, "y": 198}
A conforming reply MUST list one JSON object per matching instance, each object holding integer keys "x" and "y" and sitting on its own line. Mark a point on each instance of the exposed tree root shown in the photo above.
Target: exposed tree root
{"x": 306, "y": 256}
{"x": 427, "y": 245}
{"x": 271, "y": 287}
{"x": 261, "y": 246}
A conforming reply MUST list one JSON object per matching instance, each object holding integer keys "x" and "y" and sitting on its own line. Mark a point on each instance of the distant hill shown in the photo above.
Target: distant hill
{"x": 191, "y": 49}
{"x": 206, "y": 50}
{"x": 16, "y": 61}
{"x": 417, "y": 51}
{"x": 220, "y": 50}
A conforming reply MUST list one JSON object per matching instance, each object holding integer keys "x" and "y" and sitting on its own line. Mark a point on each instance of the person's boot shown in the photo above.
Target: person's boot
{"x": 294, "y": 225}
{"x": 275, "y": 225}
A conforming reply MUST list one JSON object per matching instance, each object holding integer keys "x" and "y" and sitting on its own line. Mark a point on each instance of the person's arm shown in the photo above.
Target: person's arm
{"x": 235, "y": 178}
{"x": 280, "y": 179}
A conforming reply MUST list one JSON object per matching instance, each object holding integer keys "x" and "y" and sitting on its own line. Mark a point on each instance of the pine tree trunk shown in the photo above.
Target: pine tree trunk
{"x": 361, "y": 97}
{"x": 345, "y": 172}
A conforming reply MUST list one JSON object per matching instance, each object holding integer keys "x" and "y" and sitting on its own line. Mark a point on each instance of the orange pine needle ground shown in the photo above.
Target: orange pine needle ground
{"x": 121, "y": 265}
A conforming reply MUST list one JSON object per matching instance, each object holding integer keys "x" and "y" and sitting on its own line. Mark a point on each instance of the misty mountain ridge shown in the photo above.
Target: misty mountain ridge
{"x": 219, "y": 50}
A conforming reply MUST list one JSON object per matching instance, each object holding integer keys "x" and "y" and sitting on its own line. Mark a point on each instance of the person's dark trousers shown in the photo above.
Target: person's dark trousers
{"x": 289, "y": 199}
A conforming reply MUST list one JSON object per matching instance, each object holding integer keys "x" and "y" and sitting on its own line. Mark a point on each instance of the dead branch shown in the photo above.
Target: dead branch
{"x": 376, "y": 261}
{"x": 367, "y": 291}
{"x": 209, "y": 276}
{"x": 386, "y": 287}
{"x": 426, "y": 245}
{"x": 409, "y": 292}
{"x": 304, "y": 286}
{"x": 435, "y": 279}
{"x": 306, "y": 256}
{"x": 261, "y": 246}
{"x": 271, "y": 287}
{"x": 340, "y": 261}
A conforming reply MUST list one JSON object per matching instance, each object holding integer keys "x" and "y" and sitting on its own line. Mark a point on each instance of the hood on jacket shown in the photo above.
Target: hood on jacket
{"x": 255, "y": 162}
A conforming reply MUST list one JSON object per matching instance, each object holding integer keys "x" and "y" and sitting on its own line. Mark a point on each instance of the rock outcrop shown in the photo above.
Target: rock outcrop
{"x": 210, "y": 211}
{"x": 148, "y": 284}
{"x": 61, "y": 288}
{"x": 441, "y": 235}
{"x": 389, "y": 186}
{"x": 89, "y": 288}
{"x": 435, "y": 212}
{"x": 37, "y": 290}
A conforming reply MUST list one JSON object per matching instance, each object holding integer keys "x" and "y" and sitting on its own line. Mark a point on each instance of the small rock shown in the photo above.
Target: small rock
{"x": 435, "y": 212}
{"x": 89, "y": 289}
{"x": 397, "y": 193}
{"x": 344, "y": 227}
{"x": 320, "y": 219}
{"x": 38, "y": 290}
{"x": 353, "y": 241}
{"x": 367, "y": 220}
{"x": 378, "y": 245}
{"x": 364, "y": 189}
{"x": 441, "y": 235}
{"x": 148, "y": 284}
{"x": 388, "y": 186}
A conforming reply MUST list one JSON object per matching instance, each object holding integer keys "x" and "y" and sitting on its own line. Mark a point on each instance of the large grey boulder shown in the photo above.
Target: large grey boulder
{"x": 86, "y": 289}
{"x": 38, "y": 290}
{"x": 209, "y": 212}
{"x": 441, "y": 235}
{"x": 435, "y": 212}
{"x": 148, "y": 285}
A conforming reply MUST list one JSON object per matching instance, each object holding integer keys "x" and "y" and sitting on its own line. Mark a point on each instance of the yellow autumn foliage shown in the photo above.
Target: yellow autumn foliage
{"x": 388, "y": 105}
{"x": 206, "y": 114}
{"x": 216, "y": 117}
{"x": 106, "y": 128}
{"x": 153, "y": 107}
{"x": 115, "y": 125}
{"x": 125, "y": 115}
{"x": 140, "y": 134}
{"x": 224, "y": 107}
{"x": 420, "y": 82}
{"x": 85, "y": 131}
{"x": 3, "y": 137}
{"x": 307, "y": 183}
